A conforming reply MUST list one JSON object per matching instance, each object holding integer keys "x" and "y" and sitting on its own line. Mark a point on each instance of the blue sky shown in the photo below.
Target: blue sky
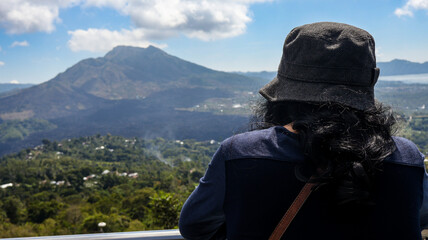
{"x": 39, "y": 39}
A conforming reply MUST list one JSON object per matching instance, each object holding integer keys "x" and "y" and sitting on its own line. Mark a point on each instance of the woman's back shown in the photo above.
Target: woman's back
{"x": 261, "y": 184}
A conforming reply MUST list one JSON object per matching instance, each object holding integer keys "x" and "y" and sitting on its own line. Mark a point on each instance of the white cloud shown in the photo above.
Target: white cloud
{"x": 378, "y": 52}
{"x": 410, "y": 7}
{"x": 24, "y": 16}
{"x": 206, "y": 20}
{"x": 20, "y": 44}
{"x": 117, "y": 4}
{"x": 152, "y": 19}
{"x": 101, "y": 40}
{"x": 203, "y": 19}
{"x": 14, "y": 82}
{"x": 1, "y": 63}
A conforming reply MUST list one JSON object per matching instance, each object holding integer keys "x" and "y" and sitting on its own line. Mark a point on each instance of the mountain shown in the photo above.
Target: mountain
{"x": 123, "y": 73}
{"x": 402, "y": 67}
{"x": 132, "y": 92}
{"x": 131, "y": 72}
{"x": 8, "y": 87}
{"x": 266, "y": 75}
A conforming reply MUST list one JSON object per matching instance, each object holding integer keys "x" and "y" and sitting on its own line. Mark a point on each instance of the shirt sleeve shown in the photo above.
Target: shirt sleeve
{"x": 424, "y": 208}
{"x": 202, "y": 214}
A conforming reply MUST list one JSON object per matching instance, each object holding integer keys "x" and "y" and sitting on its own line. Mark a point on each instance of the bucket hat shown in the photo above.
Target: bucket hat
{"x": 326, "y": 62}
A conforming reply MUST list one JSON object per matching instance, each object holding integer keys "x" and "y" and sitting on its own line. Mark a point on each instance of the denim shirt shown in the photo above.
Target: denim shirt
{"x": 250, "y": 183}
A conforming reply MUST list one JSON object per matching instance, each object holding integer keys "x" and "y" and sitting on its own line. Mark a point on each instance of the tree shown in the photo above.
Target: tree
{"x": 110, "y": 180}
{"x": 14, "y": 209}
{"x": 165, "y": 210}
{"x": 46, "y": 141}
{"x": 138, "y": 205}
{"x": 38, "y": 211}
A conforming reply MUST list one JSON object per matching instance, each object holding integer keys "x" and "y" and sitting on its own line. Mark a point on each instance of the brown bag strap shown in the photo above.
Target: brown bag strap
{"x": 292, "y": 211}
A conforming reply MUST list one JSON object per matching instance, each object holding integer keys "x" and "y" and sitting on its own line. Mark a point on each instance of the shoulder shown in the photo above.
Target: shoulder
{"x": 252, "y": 137}
{"x": 407, "y": 153}
{"x": 273, "y": 143}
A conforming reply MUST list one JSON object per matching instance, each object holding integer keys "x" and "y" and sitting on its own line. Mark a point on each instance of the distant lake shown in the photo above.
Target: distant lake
{"x": 411, "y": 78}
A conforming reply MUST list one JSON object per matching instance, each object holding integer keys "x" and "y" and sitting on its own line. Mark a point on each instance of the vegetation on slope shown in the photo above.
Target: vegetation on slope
{"x": 13, "y": 130}
{"x": 69, "y": 187}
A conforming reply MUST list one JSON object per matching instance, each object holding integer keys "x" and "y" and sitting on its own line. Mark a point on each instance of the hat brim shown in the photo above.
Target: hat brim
{"x": 286, "y": 89}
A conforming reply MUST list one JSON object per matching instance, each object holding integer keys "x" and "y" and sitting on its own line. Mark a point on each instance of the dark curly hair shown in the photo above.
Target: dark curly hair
{"x": 346, "y": 144}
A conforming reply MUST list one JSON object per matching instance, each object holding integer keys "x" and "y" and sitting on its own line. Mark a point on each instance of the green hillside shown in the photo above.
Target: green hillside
{"x": 18, "y": 130}
{"x": 69, "y": 187}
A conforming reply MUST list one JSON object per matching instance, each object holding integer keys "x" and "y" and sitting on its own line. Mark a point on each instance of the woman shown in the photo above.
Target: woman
{"x": 327, "y": 125}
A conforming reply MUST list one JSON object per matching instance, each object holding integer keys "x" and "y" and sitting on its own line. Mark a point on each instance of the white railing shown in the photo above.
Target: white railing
{"x": 146, "y": 235}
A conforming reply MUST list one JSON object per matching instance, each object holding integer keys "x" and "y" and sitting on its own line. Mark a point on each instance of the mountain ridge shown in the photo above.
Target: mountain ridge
{"x": 402, "y": 67}
{"x": 7, "y": 87}
{"x": 133, "y": 92}
{"x": 123, "y": 73}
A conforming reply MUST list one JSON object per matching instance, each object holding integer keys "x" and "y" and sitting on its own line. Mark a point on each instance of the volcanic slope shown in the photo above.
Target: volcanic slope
{"x": 130, "y": 92}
